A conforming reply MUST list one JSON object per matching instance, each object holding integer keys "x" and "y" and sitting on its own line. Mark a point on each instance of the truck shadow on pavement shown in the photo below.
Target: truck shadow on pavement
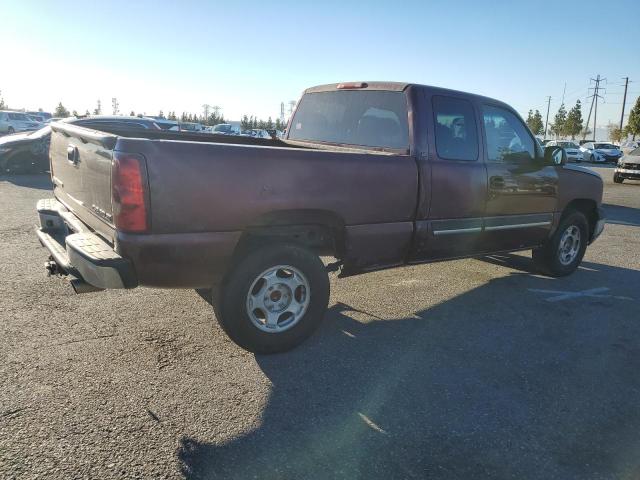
{"x": 495, "y": 383}
{"x": 621, "y": 215}
{"x": 40, "y": 181}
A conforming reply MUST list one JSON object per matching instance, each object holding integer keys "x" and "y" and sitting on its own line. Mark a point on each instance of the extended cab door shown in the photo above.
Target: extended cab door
{"x": 452, "y": 203}
{"x": 522, "y": 190}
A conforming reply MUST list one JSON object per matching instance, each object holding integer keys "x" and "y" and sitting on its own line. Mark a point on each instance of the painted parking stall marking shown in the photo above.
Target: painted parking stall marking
{"x": 559, "y": 295}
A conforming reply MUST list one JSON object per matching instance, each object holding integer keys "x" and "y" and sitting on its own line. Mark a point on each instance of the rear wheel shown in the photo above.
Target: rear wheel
{"x": 273, "y": 299}
{"x": 563, "y": 252}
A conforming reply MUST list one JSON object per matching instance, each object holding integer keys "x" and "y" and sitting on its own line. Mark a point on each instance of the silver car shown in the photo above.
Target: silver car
{"x": 628, "y": 167}
{"x": 600, "y": 152}
{"x": 572, "y": 148}
{"x": 12, "y": 122}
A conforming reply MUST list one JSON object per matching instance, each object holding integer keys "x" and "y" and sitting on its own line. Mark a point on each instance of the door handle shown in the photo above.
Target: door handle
{"x": 72, "y": 154}
{"x": 496, "y": 182}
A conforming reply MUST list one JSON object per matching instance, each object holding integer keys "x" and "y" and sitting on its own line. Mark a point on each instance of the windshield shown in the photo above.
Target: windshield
{"x": 567, "y": 145}
{"x": 606, "y": 146}
{"x": 635, "y": 152}
{"x": 223, "y": 127}
{"x": 347, "y": 117}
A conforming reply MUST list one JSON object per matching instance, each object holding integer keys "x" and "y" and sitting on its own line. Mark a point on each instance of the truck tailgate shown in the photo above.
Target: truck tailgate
{"x": 81, "y": 174}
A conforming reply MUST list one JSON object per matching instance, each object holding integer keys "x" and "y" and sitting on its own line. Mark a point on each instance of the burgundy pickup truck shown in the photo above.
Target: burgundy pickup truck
{"x": 374, "y": 174}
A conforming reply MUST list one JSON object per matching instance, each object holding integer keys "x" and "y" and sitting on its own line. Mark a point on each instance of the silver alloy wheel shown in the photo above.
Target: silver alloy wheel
{"x": 278, "y": 299}
{"x": 569, "y": 245}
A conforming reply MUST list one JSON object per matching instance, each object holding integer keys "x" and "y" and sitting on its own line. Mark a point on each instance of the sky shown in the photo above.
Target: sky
{"x": 249, "y": 56}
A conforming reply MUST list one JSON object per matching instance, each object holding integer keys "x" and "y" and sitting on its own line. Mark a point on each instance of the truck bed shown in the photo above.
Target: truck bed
{"x": 198, "y": 188}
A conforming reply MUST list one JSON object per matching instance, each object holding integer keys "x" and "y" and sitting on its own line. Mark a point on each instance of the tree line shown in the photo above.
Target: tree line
{"x": 571, "y": 124}
{"x": 215, "y": 118}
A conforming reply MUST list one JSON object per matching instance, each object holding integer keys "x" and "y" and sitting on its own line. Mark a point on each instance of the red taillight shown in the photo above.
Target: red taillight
{"x": 129, "y": 193}
{"x": 349, "y": 85}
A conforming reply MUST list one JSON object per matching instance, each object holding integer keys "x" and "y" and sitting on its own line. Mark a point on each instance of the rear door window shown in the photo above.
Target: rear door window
{"x": 367, "y": 118}
{"x": 456, "y": 132}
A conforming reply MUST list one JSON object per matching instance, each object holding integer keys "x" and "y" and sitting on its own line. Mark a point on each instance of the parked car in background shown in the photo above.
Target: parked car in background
{"x": 600, "y": 152}
{"x": 191, "y": 127}
{"x": 164, "y": 124}
{"x": 574, "y": 154}
{"x": 44, "y": 115}
{"x": 108, "y": 121}
{"x": 359, "y": 177}
{"x": 14, "y": 122}
{"x": 260, "y": 133}
{"x": 628, "y": 167}
{"x": 28, "y": 152}
{"x": 225, "y": 129}
{"x": 36, "y": 118}
{"x": 628, "y": 146}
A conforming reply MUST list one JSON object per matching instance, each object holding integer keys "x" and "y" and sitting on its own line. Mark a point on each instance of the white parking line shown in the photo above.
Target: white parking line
{"x": 559, "y": 295}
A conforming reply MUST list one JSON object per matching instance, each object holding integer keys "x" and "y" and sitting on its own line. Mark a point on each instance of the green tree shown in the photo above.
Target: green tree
{"x": 61, "y": 111}
{"x": 74, "y": 113}
{"x": 574, "y": 123}
{"x": 161, "y": 115}
{"x": 98, "y": 109}
{"x": 559, "y": 122}
{"x": 87, "y": 113}
{"x": 534, "y": 122}
{"x": 615, "y": 134}
{"x": 172, "y": 116}
{"x": 132, "y": 113}
{"x": 245, "y": 123}
{"x": 633, "y": 125}
{"x": 269, "y": 124}
{"x": 2, "y": 104}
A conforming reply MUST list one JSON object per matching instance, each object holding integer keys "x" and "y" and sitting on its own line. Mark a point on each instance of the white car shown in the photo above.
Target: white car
{"x": 13, "y": 122}
{"x": 600, "y": 152}
{"x": 572, "y": 148}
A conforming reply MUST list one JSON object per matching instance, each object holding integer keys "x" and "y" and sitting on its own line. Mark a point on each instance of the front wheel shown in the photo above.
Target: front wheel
{"x": 617, "y": 178}
{"x": 11, "y": 131}
{"x": 273, "y": 299}
{"x": 563, "y": 252}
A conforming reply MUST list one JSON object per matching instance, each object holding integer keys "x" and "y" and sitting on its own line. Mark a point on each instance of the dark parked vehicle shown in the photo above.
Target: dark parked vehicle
{"x": 377, "y": 175}
{"x": 26, "y": 152}
{"x": 628, "y": 167}
{"x": 29, "y": 152}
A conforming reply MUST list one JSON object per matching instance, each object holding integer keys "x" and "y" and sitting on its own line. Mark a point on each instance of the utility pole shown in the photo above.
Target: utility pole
{"x": 594, "y": 104}
{"x": 624, "y": 100}
{"x": 546, "y": 122}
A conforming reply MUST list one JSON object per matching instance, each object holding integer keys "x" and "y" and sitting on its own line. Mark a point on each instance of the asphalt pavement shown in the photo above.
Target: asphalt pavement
{"x": 471, "y": 369}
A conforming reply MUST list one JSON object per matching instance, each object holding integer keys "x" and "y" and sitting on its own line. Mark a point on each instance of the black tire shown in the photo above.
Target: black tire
{"x": 617, "y": 178}
{"x": 230, "y": 301}
{"x": 11, "y": 130}
{"x": 547, "y": 258}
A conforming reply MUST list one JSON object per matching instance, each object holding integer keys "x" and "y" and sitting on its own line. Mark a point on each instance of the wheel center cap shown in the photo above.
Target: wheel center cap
{"x": 275, "y": 296}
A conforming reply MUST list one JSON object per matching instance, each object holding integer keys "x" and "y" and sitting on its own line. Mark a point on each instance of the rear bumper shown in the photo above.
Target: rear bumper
{"x": 80, "y": 252}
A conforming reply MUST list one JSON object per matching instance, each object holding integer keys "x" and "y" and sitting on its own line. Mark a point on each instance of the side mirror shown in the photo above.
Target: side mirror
{"x": 555, "y": 156}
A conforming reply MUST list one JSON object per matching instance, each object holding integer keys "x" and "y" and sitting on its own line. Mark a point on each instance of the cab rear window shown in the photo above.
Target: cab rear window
{"x": 375, "y": 119}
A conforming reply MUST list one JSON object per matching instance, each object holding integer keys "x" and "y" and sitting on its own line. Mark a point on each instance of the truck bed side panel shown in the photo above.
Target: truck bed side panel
{"x": 198, "y": 187}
